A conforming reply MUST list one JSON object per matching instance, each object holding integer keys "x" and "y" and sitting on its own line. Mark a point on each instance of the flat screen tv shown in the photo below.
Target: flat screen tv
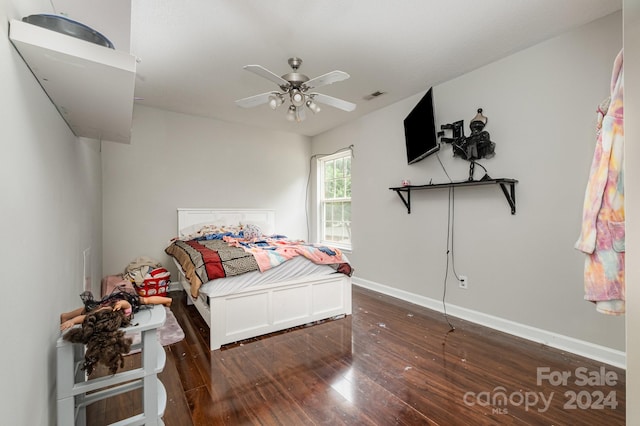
{"x": 420, "y": 130}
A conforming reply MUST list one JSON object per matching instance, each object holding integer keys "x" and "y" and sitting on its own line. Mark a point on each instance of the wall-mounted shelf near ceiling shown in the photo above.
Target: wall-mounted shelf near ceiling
{"x": 510, "y": 194}
{"x": 91, "y": 86}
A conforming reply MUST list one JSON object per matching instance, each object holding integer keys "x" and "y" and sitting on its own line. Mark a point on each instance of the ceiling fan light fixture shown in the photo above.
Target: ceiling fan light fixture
{"x": 275, "y": 100}
{"x": 291, "y": 113}
{"x": 313, "y": 106}
{"x": 300, "y": 115}
{"x": 297, "y": 97}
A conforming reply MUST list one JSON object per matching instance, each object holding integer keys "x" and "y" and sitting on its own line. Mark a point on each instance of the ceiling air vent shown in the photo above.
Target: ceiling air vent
{"x": 374, "y": 95}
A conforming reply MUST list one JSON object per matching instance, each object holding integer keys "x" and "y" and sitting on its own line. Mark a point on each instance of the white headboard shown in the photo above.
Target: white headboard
{"x": 187, "y": 218}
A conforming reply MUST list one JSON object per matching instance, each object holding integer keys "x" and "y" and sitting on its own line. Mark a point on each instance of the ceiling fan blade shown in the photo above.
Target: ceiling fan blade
{"x": 263, "y": 72}
{"x": 325, "y": 79}
{"x": 334, "y": 102}
{"x": 255, "y": 100}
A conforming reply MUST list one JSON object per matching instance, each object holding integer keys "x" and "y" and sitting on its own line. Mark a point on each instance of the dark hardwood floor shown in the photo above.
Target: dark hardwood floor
{"x": 389, "y": 363}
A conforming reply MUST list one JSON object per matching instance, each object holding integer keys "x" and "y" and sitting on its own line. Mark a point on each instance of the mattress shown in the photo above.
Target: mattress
{"x": 297, "y": 267}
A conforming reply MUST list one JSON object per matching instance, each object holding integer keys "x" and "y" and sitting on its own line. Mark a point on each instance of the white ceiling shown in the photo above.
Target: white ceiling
{"x": 191, "y": 52}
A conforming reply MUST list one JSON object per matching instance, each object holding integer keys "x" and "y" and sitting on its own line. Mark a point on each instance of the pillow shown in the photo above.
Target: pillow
{"x": 193, "y": 229}
{"x": 251, "y": 231}
{"x": 200, "y": 230}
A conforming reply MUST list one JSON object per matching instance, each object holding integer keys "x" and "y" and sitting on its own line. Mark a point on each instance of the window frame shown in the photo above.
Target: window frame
{"x": 321, "y": 200}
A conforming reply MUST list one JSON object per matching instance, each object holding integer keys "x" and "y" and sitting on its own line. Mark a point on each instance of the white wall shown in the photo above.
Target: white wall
{"x": 50, "y": 184}
{"x": 541, "y": 106}
{"x": 176, "y": 160}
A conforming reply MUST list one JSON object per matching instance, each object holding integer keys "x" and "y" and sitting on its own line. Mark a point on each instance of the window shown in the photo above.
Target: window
{"x": 334, "y": 172}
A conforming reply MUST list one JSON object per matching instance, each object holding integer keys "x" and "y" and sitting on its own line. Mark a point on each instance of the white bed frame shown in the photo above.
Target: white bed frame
{"x": 266, "y": 308}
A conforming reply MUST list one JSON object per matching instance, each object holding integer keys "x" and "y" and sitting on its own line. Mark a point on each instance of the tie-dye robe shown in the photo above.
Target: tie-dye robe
{"x": 602, "y": 235}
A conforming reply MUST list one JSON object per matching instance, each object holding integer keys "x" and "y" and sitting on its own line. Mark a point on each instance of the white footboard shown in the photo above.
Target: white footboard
{"x": 274, "y": 307}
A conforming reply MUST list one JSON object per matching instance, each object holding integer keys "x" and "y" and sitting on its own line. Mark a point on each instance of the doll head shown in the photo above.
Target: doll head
{"x": 105, "y": 342}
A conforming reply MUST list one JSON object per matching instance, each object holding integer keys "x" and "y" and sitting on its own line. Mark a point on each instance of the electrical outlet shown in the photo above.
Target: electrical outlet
{"x": 464, "y": 282}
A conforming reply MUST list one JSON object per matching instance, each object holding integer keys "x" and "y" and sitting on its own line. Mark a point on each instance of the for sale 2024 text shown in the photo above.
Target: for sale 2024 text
{"x": 583, "y": 399}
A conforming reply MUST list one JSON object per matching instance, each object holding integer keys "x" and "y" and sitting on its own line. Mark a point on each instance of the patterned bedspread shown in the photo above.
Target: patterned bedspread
{"x": 203, "y": 260}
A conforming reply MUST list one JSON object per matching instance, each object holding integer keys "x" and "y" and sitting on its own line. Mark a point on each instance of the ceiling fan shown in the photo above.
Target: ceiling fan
{"x": 295, "y": 87}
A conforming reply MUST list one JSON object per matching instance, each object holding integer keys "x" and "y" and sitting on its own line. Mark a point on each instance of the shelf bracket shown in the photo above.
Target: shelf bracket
{"x": 510, "y": 195}
{"x": 407, "y": 201}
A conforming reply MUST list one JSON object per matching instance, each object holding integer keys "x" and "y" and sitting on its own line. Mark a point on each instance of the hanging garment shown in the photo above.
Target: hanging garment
{"x": 603, "y": 228}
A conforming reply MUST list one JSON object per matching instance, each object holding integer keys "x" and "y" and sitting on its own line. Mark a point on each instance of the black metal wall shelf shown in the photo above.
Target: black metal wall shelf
{"x": 510, "y": 194}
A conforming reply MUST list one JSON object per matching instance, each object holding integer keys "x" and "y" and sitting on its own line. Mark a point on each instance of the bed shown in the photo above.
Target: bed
{"x": 246, "y": 302}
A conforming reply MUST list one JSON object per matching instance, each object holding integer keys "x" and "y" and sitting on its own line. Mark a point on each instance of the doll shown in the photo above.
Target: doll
{"x": 105, "y": 342}
{"x": 101, "y": 321}
{"x": 478, "y": 144}
{"x": 119, "y": 300}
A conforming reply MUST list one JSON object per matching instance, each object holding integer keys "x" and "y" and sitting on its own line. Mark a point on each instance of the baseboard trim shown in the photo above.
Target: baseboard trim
{"x": 565, "y": 343}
